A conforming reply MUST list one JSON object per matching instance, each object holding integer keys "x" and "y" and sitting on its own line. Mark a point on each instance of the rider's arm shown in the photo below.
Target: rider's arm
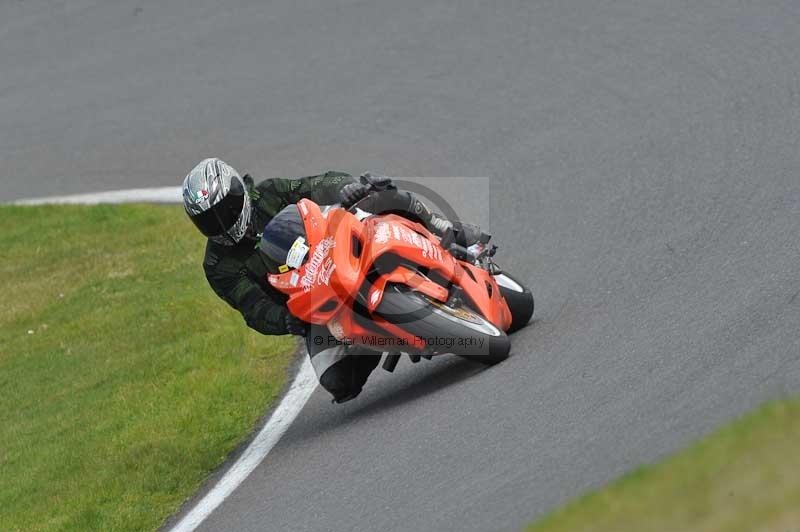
{"x": 406, "y": 204}
{"x": 228, "y": 278}
{"x": 322, "y": 189}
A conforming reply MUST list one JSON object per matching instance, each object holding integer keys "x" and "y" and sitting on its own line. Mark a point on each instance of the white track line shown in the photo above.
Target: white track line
{"x": 304, "y": 384}
{"x": 290, "y": 406}
{"x": 145, "y": 195}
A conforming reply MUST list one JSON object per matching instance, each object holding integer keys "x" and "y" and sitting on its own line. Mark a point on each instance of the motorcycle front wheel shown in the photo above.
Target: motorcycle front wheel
{"x": 519, "y": 299}
{"x": 459, "y": 331}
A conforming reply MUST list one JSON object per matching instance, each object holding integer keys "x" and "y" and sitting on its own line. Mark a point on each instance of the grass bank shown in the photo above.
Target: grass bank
{"x": 123, "y": 379}
{"x": 742, "y": 478}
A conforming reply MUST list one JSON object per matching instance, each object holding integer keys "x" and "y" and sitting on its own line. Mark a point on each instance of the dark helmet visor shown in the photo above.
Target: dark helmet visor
{"x": 223, "y": 215}
{"x": 280, "y": 234}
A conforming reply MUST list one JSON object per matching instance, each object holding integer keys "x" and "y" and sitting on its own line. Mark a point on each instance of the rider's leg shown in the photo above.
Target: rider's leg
{"x": 342, "y": 370}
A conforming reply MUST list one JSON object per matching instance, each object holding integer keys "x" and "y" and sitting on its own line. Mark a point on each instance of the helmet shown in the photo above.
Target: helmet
{"x": 217, "y": 202}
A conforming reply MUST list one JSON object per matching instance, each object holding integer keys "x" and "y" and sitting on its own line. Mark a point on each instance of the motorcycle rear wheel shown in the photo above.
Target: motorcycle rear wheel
{"x": 459, "y": 331}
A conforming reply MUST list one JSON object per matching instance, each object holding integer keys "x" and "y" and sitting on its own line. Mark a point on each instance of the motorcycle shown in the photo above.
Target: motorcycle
{"x": 388, "y": 284}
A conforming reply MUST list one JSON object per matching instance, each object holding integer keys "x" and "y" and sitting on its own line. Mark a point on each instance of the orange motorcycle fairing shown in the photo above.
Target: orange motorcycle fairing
{"x": 350, "y": 263}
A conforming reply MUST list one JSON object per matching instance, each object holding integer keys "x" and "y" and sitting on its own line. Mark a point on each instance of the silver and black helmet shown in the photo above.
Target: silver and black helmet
{"x": 216, "y": 200}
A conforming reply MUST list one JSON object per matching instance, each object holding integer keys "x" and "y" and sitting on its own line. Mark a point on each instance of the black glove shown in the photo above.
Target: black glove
{"x": 377, "y": 182}
{"x": 352, "y": 193}
{"x": 295, "y": 325}
{"x": 468, "y": 234}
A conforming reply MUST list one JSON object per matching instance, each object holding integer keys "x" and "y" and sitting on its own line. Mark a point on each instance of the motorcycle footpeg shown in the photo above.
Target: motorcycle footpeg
{"x": 391, "y": 360}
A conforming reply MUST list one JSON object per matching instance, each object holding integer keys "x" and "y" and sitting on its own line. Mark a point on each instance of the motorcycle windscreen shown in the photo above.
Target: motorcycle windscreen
{"x": 284, "y": 241}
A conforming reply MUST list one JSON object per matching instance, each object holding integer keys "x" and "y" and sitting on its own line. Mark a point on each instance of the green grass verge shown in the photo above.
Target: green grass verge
{"x": 742, "y": 478}
{"x": 123, "y": 379}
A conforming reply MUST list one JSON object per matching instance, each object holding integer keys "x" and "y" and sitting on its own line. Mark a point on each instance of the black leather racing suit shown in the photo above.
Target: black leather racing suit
{"x": 238, "y": 274}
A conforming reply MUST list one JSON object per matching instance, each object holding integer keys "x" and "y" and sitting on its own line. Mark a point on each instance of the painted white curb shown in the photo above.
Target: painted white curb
{"x": 144, "y": 195}
{"x": 282, "y": 417}
{"x": 290, "y": 406}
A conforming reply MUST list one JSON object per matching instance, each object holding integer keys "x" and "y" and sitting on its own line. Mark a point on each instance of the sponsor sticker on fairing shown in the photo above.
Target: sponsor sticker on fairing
{"x": 382, "y": 233}
{"x": 324, "y": 275}
{"x": 385, "y": 232}
{"x": 320, "y": 266}
{"x": 298, "y": 252}
{"x": 373, "y": 298}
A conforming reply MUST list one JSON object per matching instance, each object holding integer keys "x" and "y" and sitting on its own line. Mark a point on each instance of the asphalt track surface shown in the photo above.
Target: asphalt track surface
{"x": 645, "y": 171}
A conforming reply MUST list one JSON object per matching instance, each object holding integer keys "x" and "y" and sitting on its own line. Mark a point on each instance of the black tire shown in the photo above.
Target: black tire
{"x": 416, "y": 314}
{"x": 519, "y": 302}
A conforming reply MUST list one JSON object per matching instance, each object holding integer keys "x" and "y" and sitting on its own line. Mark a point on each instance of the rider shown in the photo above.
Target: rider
{"x": 231, "y": 211}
